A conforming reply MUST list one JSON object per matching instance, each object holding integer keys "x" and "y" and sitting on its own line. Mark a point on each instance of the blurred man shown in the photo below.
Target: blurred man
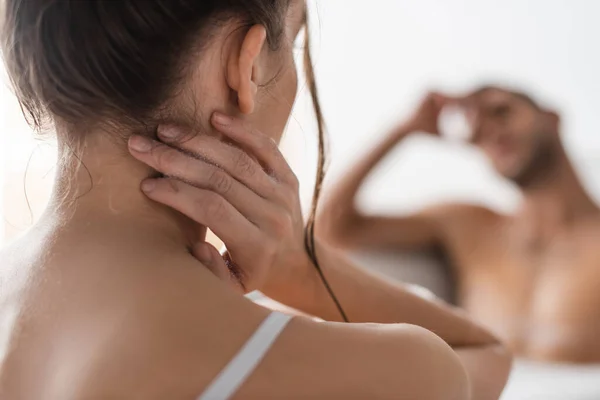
{"x": 532, "y": 277}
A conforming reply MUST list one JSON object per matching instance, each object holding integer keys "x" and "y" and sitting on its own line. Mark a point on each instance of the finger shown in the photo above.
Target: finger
{"x": 231, "y": 159}
{"x": 439, "y": 100}
{"x": 235, "y": 270}
{"x": 208, "y": 209}
{"x": 203, "y": 252}
{"x": 211, "y": 259}
{"x": 174, "y": 163}
{"x": 260, "y": 145}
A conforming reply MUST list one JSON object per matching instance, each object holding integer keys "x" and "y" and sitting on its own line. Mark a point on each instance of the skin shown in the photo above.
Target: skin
{"x": 114, "y": 294}
{"x": 532, "y": 277}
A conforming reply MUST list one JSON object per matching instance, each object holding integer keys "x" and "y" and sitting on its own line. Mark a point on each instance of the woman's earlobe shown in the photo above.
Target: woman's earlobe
{"x": 244, "y": 68}
{"x": 246, "y": 98}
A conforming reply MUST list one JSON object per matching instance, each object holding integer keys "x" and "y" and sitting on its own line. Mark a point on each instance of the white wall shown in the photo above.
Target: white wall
{"x": 26, "y": 167}
{"x": 2, "y": 167}
{"x": 375, "y": 58}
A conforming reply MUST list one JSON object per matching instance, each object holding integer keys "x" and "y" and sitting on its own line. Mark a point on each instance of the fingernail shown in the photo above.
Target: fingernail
{"x": 169, "y": 132}
{"x": 221, "y": 119}
{"x": 140, "y": 143}
{"x": 148, "y": 186}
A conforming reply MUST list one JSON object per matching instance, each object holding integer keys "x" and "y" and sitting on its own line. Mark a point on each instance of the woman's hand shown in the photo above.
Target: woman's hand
{"x": 245, "y": 193}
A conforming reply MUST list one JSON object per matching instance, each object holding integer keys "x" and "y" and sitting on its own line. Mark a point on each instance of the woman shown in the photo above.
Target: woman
{"x": 113, "y": 294}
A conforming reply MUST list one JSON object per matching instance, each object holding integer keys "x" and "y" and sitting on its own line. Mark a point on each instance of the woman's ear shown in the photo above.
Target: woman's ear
{"x": 243, "y": 69}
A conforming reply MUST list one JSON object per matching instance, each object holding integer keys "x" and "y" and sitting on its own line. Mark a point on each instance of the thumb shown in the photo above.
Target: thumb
{"x": 209, "y": 256}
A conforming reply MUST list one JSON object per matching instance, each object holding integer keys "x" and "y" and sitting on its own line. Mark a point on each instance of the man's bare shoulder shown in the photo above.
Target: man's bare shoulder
{"x": 465, "y": 229}
{"x": 588, "y": 230}
{"x": 470, "y": 214}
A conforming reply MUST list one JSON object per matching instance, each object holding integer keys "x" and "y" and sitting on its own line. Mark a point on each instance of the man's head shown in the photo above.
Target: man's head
{"x": 519, "y": 136}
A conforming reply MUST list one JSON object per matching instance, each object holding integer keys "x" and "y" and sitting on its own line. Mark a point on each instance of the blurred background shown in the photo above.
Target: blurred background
{"x": 374, "y": 61}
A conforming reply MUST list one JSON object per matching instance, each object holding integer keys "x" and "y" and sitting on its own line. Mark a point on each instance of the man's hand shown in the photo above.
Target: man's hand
{"x": 425, "y": 118}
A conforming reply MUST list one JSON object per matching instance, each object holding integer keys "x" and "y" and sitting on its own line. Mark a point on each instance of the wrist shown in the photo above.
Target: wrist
{"x": 303, "y": 288}
{"x": 405, "y": 129}
{"x": 295, "y": 281}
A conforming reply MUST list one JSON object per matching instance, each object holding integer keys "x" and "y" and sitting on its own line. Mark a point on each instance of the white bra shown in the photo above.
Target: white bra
{"x": 245, "y": 362}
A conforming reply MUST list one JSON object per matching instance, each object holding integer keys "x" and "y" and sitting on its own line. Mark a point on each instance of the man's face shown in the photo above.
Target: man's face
{"x": 517, "y": 136}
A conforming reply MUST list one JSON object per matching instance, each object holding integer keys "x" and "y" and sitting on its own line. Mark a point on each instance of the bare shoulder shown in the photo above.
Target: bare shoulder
{"x": 175, "y": 354}
{"x": 136, "y": 322}
{"x": 329, "y": 361}
{"x": 461, "y": 211}
{"x": 168, "y": 339}
{"x": 588, "y": 231}
{"x": 161, "y": 326}
{"x": 170, "y": 348}
{"x": 463, "y": 219}
{"x": 466, "y": 229}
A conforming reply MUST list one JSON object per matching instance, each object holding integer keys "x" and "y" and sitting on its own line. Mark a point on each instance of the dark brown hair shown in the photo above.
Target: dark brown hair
{"x": 121, "y": 60}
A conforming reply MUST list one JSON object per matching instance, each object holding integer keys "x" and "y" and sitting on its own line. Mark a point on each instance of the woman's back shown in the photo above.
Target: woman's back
{"x": 91, "y": 293}
{"x": 79, "y": 321}
{"x": 96, "y": 309}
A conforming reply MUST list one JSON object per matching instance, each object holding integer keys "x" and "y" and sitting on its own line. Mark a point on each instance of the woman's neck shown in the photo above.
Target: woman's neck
{"x": 99, "y": 181}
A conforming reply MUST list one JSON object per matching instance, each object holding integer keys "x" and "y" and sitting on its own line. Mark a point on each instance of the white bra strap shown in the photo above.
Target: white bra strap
{"x": 243, "y": 364}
